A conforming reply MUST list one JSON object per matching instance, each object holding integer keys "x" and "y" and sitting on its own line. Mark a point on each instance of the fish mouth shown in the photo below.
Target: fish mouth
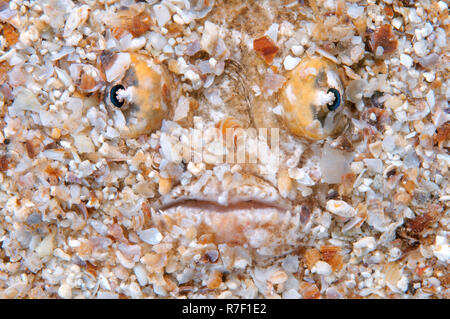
{"x": 250, "y": 194}
{"x": 263, "y": 226}
{"x": 252, "y": 213}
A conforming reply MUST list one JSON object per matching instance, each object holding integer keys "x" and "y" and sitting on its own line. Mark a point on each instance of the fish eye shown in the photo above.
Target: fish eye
{"x": 113, "y": 95}
{"x": 337, "y": 99}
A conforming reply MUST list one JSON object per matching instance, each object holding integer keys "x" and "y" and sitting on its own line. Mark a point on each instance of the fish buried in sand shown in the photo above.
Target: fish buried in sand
{"x": 239, "y": 211}
{"x": 239, "y": 208}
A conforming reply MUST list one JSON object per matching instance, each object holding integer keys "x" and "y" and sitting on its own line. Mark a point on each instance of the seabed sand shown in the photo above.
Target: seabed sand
{"x": 99, "y": 202}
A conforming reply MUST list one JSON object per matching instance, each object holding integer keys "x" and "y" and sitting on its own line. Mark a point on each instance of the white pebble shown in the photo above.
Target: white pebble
{"x": 406, "y": 60}
{"x": 354, "y": 11}
{"x": 397, "y": 22}
{"x": 441, "y": 249}
{"x": 422, "y": 33}
{"x": 442, "y": 6}
{"x": 394, "y": 253}
{"x": 162, "y": 14}
{"x": 157, "y": 40}
{"x": 366, "y": 244}
{"x": 357, "y": 167}
{"x": 291, "y": 294}
{"x": 340, "y": 208}
{"x": 151, "y": 236}
{"x": 420, "y": 47}
{"x": 402, "y": 284}
{"x": 298, "y": 50}
{"x": 141, "y": 274}
{"x": 46, "y": 246}
{"x": 291, "y": 62}
{"x": 278, "y": 110}
{"x": 441, "y": 38}
{"x": 191, "y": 75}
{"x": 168, "y": 49}
{"x": 65, "y": 291}
{"x": 431, "y": 100}
{"x": 413, "y": 17}
{"x": 83, "y": 144}
{"x": 374, "y": 164}
{"x": 209, "y": 36}
{"x": 121, "y": 63}
{"x": 177, "y": 19}
{"x": 272, "y": 33}
{"x": 322, "y": 268}
{"x": 379, "y": 51}
{"x": 429, "y": 76}
{"x": 290, "y": 264}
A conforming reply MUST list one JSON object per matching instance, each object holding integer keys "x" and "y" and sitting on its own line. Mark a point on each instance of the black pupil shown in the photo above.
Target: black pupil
{"x": 113, "y": 95}
{"x": 337, "y": 99}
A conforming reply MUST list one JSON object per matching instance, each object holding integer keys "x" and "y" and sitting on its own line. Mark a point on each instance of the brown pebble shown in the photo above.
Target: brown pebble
{"x": 4, "y": 69}
{"x": 305, "y": 214}
{"x": 419, "y": 223}
{"x": 347, "y": 181}
{"x": 332, "y": 255}
{"x": 165, "y": 185}
{"x": 265, "y": 48}
{"x": 10, "y": 33}
{"x": 137, "y": 25}
{"x": 3, "y": 164}
{"x": 385, "y": 38}
{"x": 388, "y": 11}
{"x": 442, "y": 134}
{"x": 214, "y": 280}
{"x": 206, "y": 238}
{"x": 309, "y": 290}
{"x": 312, "y": 256}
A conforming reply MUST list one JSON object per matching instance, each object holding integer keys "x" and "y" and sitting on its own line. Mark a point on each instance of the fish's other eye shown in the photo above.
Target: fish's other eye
{"x": 312, "y": 99}
{"x": 113, "y": 95}
{"x": 337, "y": 99}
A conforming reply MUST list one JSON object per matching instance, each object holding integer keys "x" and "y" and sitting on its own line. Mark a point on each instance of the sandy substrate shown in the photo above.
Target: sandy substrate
{"x": 101, "y": 201}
